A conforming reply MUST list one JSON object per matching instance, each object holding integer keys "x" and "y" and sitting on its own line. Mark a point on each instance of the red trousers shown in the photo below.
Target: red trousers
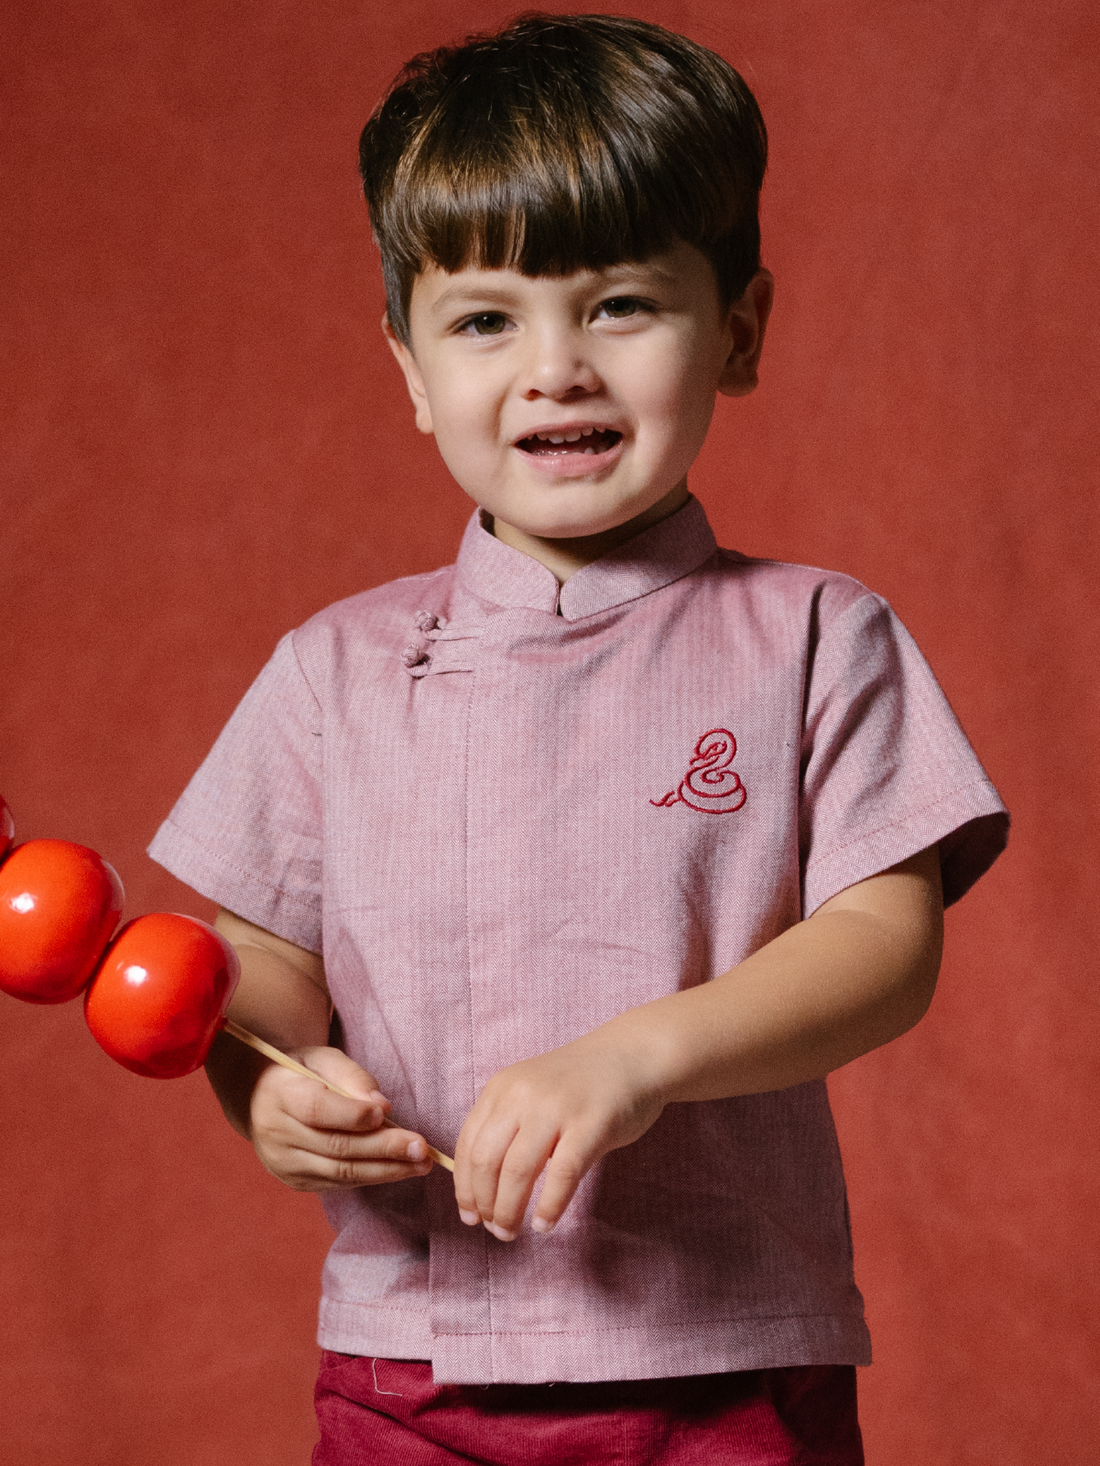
{"x": 388, "y": 1412}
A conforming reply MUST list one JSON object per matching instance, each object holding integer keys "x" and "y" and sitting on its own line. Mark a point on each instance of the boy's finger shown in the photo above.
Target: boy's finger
{"x": 482, "y": 1155}
{"x": 311, "y": 1105}
{"x": 379, "y": 1145}
{"x": 475, "y": 1172}
{"x": 523, "y": 1161}
{"x": 341, "y": 1159}
{"x": 338, "y": 1068}
{"x": 565, "y": 1172}
{"x": 314, "y": 1173}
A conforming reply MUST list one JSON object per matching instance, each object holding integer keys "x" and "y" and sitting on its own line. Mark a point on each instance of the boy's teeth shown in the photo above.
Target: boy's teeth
{"x": 573, "y": 437}
{"x": 600, "y": 439}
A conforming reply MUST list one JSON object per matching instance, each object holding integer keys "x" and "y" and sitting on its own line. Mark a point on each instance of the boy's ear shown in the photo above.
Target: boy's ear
{"x": 748, "y": 319}
{"x": 413, "y": 380}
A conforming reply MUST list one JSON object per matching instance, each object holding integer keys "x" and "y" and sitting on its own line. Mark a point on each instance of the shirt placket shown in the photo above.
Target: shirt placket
{"x": 470, "y": 1281}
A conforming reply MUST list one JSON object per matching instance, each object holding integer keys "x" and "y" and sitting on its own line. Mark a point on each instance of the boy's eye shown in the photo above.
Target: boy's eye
{"x": 486, "y": 323}
{"x": 620, "y": 306}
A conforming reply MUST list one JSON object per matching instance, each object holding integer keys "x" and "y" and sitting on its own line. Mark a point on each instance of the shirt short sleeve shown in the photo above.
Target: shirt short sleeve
{"x": 247, "y": 830}
{"x": 887, "y": 770}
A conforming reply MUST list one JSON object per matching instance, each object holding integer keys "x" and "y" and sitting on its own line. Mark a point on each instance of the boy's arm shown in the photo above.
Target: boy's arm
{"x": 856, "y": 974}
{"x": 303, "y": 1133}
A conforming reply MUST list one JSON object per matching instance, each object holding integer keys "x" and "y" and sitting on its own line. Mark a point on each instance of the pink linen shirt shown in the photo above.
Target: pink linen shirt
{"x": 506, "y": 814}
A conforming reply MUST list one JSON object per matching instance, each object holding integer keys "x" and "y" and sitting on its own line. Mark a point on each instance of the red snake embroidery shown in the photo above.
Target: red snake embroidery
{"x": 710, "y": 785}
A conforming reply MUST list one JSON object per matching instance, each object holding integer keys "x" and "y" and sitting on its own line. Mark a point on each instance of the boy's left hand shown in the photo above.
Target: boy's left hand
{"x": 562, "y": 1111}
{"x": 857, "y": 973}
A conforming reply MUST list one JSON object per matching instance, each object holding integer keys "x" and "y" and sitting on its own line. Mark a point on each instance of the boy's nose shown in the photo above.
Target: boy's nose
{"x": 557, "y": 366}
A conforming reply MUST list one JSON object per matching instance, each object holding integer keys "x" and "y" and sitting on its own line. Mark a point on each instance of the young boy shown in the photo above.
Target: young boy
{"x": 599, "y": 848}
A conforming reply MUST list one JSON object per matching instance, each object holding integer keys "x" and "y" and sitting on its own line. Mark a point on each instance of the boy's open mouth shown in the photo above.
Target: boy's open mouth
{"x": 569, "y": 441}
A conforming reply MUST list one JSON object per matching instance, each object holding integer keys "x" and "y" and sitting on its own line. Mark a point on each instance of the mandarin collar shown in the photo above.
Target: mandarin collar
{"x": 661, "y": 554}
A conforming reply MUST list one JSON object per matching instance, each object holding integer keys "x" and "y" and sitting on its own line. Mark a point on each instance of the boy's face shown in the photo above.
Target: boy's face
{"x": 620, "y": 366}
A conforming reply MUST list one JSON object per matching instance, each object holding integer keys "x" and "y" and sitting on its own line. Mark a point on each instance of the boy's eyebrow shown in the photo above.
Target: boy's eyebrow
{"x": 642, "y": 269}
{"x": 469, "y": 294}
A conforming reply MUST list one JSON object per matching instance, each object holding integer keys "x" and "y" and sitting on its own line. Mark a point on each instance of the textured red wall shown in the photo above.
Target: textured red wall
{"x": 203, "y": 441}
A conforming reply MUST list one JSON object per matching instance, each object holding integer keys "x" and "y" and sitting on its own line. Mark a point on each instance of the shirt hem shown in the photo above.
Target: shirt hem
{"x": 664, "y": 1351}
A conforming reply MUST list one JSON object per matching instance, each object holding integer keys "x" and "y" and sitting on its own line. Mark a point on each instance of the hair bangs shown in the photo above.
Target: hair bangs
{"x": 543, "y": 211}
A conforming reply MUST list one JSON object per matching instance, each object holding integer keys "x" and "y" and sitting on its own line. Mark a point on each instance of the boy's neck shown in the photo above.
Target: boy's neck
{"x": 564, "y": 557}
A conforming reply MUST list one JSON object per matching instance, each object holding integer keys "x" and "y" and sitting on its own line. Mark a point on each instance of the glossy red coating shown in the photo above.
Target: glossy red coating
{"x": 59, "y": 904}
{"x": 157, "y": 1000}
{"x": 7, "y": 828}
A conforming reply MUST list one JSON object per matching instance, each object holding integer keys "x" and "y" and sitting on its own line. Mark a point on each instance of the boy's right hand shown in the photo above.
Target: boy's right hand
{"x": 315, "y": 1140}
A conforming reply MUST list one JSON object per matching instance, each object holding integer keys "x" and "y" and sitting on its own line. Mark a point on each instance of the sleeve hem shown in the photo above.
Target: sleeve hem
{"x": 280, "y": 912}
{"x": 970, "y": 824}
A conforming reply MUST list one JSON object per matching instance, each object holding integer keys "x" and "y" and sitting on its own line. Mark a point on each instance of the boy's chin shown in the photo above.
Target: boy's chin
{"x": 561, "y": 526}
{"x": 586, "y": 521}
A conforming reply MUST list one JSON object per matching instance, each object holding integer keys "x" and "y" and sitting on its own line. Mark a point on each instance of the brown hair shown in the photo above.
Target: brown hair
{"x": 561, "y": 143}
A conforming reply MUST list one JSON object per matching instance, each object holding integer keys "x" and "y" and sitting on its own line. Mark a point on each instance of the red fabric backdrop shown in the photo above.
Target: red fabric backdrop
{"x": 204, "y": 441}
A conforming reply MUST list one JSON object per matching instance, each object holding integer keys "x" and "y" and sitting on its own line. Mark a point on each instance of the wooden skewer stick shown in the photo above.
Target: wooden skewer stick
{"x": 270, "y": 1052}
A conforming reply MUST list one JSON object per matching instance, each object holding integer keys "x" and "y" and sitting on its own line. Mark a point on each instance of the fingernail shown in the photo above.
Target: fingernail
{"x": 540, "y": 1224}
{"x": 416, "y": 1151}
{"x": 499, "y": 1233}
{"x": 471, "y": 1218}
